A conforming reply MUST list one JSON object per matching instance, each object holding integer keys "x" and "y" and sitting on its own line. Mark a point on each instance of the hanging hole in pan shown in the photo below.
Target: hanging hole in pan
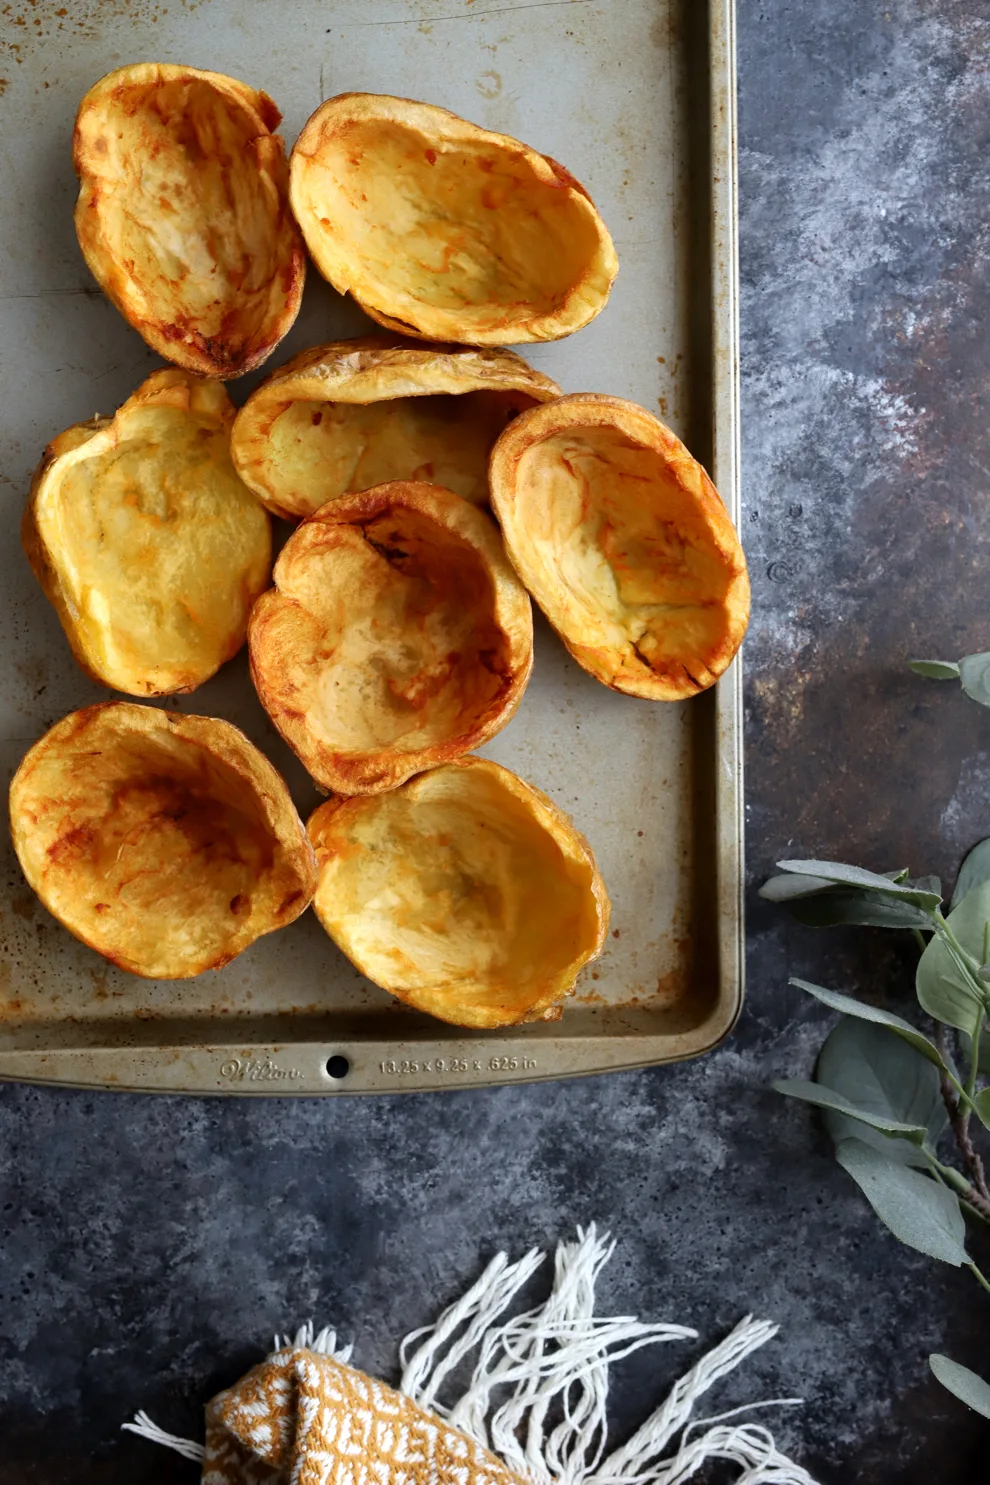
{"x": 338, "y": 1066}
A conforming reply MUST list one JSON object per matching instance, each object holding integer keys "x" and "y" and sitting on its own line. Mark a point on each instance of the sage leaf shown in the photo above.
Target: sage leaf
{"x": 926, "y": 884}
{"x": 844, "y": 907}
{"x": 785, "y": 888}
{"x": 974, "y": 672}
{"x": 864, "y": 1012}
{"x": 856, "y": 876}
{"x": 885, "y": 1076}
{"x": 936, "y": 670}
{"x": 918, "y": 1210}
{"x": 982, "y": 1102}
{"x": 974, "y": 871}
{"x": 825, "y": 1098}
{"x": 962, "y": 1383}
{"x": 944, "y": 990}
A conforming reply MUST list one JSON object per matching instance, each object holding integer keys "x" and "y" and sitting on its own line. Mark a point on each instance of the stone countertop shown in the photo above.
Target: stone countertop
{"x": 153, "y": 1245}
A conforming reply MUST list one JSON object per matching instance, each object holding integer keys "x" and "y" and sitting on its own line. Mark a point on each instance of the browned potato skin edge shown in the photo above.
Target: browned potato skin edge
{"x": 327, "y": 768}
{"x": 547, "y": 1008}
{"x": 593, "y": 409}
{"x": 542, "y": 327}
{"x": 230, "y": 746}
{"x": 298, "y": 380}
{"x": 204, "y": 355}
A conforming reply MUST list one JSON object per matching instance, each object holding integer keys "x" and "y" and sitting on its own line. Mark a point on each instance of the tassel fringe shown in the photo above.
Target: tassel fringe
{"x": 143, "y": 1426}
{"x": 538, "y": 1393}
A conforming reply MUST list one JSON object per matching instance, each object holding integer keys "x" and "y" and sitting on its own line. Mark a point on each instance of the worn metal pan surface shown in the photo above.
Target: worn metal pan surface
{"x": 637, "y": 98}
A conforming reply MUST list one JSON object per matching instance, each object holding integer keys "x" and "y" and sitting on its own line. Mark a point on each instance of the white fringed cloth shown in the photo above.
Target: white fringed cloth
{"x": 533, "y": 1413}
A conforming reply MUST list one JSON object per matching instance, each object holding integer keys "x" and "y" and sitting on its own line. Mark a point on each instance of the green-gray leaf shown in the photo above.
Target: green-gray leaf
{"x": 936, "y": 670}
{"x": 883, "y": 1075}
{"x": 844, "y": 907}
{"x": 974, "y": 871}
{"x": 785, "y": 888}
{"x": 864, "y": 1012}
{"x": 962, "y": 1383}
{"x": 919, "y": 1212}
{"x": 974, "y": 672}
{"x": 855, "y": 876}
{"x": 982, "y": 1102}
{"x": 825, "y": 1098}
{"x": 943, "y": 989}
{"x": 926, "y": 884}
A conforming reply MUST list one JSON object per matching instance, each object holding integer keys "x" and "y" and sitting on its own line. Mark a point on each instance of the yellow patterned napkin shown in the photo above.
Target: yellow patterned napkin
{"x": 309, "y": 1419}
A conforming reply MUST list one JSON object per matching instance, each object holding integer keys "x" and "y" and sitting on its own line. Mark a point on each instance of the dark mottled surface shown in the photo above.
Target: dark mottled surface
{"x": 150, "y": 1246}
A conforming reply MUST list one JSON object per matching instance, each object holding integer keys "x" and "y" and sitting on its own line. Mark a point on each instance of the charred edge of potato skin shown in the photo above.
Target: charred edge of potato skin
{"x": 327, "y": 373}
{"x": 377, "y": 769}
{"x": 177, "y": 338}
{"x": 293, "y": 857}
{"x": 572, "y": 844}
{"x": 678, "y": 681}
{"x": 567, "y": 309}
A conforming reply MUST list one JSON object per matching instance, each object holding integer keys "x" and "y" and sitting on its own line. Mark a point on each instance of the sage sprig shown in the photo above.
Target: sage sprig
{"x": 973, "y": 671}
{"x": 889, "y": 1094}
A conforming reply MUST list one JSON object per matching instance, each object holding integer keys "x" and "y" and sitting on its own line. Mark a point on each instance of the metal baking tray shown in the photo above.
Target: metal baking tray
{"x": 637, "y": 98}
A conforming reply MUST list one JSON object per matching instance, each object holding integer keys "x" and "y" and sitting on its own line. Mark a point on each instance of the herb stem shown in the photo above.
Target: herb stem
{"x": 958, "y": 1183}
{"x": 955, "y": 1097}
{"x": 975, "y": 1056}
{"x": 963, "y": 959}
{"x": 920, "y": 939}
{"x": 942, "y": 927}
{"x": 980, "y": 1277}
{"x": 950, "y": 1083}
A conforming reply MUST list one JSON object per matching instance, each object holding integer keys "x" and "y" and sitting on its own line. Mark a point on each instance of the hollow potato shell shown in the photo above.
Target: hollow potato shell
{"x": 466, "y": 893}
{"x": 183, "y": 214}
{"x": 623, "y": 540}
{"x": 396, "y": 637}
{"x": 443, "y": 230}
{"x": 357, "y": 413}
{"x": 144, "y": 539}
{"x": 165, "y": 842}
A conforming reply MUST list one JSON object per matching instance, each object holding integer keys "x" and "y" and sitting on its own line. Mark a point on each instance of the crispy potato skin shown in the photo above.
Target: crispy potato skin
{"x": 353, "y": 414}
{"x": 396, "y": 637}
{"x": 183, "y": 214}
{"x": 465, "y": 893}
{"x": 146, "y": 542}
{"x": 443, "y": 230}
{"x": 165, "y": 842}
{"x": 623, "y": 541}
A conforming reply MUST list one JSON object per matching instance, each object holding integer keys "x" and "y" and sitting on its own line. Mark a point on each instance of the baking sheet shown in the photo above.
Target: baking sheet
{"x": 637, "y": 98}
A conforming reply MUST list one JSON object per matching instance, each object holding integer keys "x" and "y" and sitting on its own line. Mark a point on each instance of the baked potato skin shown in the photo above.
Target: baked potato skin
{"x": 183, "y": 214}
{"x": 465, "y": 893}
{"x": 344, "y": 417}
{"x": 167, "y": 843}
{"x": 624, "y": 542}
{"x": 145, "y": 541}
{"x": 396, "y": 637}
{"x": 442, "y": 230}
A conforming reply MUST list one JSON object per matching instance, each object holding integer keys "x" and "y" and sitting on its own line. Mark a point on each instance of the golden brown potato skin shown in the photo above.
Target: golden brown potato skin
{"x": 353, "y": 414}
{"x": 443, "y": 230}
{"x": 466, "y": 893}
{"x": 183, "y": 214}
{"x": 623, "y": 541}
{"x": 165, "y": 842}
{"x": 396, "y": 637}
{"x": 146, "y": 542}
